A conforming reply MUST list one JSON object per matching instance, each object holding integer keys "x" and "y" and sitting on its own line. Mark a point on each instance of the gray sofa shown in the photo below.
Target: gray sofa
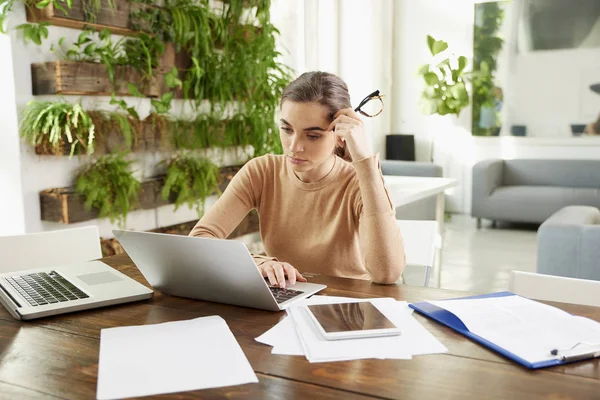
{"x": 532, "y": 190}
{"x": 569, "y": 243}
{"x": 422, "y": 209}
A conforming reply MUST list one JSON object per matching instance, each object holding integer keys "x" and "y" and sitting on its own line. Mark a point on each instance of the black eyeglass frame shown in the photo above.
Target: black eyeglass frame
{"x": 372, "y": 96}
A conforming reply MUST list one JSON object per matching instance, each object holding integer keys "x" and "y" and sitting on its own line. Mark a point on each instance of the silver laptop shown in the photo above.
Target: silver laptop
{"x": 217, "y": 270}
{"x": 40, "y": 292}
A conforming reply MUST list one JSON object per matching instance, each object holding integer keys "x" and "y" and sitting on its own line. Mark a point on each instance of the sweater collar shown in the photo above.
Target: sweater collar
{"x": 330, "y": 177}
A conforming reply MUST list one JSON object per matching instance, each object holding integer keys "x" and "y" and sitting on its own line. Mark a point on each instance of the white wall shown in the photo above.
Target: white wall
{"x": 349, "y": 38}
{"x": 12, "y": 219}
{"x": 444, "y": 20}
{"x": 547, "y": 90}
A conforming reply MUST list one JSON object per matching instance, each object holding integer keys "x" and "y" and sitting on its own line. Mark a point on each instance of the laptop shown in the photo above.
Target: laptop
{"x": 41, "y": 292}
{"x": 217, "y": 270}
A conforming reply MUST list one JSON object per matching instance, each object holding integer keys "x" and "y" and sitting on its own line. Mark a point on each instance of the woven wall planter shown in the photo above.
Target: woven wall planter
{"x": 89, "y": 79}
{"x": 65, "y": 206}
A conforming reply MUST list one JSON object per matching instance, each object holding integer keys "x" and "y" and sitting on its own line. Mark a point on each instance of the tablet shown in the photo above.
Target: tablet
{"x": 351, "y": 320}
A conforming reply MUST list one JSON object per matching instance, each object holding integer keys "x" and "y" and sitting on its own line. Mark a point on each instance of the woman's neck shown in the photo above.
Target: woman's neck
{"x": 318, "y": 173}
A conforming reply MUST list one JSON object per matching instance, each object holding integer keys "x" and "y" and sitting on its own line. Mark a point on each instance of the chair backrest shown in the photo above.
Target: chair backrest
{"x": 421, "y": 239}
{"x": 555, "y": 288}
{"x": 48, "y": 249}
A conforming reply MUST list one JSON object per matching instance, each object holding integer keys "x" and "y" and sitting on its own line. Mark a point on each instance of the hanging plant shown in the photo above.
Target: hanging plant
{"x": 445, "y": 90}
{"x": 190, "y": 179}
{"x": 109, "y": 186}
{"x": 486, "y": 47}
{"x": 115, "y": 131}
{"x": 57, "y": 124}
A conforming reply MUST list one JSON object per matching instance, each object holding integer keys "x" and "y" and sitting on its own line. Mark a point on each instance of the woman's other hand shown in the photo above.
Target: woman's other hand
{"x": 348, "y": 128}
{"x": 277, "y": 271}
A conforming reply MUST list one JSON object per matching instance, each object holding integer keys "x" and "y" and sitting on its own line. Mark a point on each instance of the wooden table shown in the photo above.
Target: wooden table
{"x": 57, "y": 357}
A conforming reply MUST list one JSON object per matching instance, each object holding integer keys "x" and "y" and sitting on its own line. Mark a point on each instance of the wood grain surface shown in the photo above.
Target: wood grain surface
{"x": 62, "y": 354}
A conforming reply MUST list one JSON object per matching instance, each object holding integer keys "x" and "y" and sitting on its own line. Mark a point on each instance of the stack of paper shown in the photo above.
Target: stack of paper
{"x": 172, "y": 357}
{"x": 525, "y": 328}
{"x": 297, "y": 335}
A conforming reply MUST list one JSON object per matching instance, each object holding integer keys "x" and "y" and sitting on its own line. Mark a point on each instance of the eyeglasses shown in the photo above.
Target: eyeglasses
{"x": 370, "y": 108}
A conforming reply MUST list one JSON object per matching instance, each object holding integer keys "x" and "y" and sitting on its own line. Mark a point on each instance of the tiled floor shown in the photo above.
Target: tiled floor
{"x": 480, "y": 260}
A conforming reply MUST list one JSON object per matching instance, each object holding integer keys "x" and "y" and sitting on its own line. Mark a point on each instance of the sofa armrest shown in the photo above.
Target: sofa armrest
{"x": 410, "y": 168}
{"x": 569, "y": 243}
{"x": 487, "y": 176}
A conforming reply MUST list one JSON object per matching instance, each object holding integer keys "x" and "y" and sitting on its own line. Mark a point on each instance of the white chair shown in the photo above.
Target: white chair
{"x": 47, "y": 249}
{"x": 421, "y": 239}
{"x": 555, "y": 288}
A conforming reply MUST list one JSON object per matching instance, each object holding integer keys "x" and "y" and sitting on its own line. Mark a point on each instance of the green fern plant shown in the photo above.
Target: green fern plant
{"x": 109, "y": 186}
{"x": 57, "y": 124}
{"x": 191, "y": 179}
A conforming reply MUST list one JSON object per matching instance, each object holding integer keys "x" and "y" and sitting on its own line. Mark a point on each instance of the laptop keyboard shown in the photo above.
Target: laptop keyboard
{"x": 45, "y": 288}
{"x": 282, "y": 294}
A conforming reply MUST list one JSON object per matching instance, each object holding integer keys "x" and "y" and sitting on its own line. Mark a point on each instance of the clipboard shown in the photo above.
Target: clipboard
{"x": 452, "y": 321}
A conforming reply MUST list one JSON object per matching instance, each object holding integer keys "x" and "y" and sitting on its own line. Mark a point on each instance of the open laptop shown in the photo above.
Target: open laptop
{"x": 217, "y": 270}
{"x": 41, "y": 292}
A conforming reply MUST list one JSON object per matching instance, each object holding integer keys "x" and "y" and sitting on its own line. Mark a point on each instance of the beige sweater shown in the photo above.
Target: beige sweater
{"x": 344, "y": 225}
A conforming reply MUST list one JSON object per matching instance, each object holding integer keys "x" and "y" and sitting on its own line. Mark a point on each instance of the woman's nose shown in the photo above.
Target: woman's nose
{"x": 295, "y": 145}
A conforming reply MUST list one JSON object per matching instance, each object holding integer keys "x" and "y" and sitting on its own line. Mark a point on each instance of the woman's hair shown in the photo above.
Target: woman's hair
{"x": 323, "y": 88}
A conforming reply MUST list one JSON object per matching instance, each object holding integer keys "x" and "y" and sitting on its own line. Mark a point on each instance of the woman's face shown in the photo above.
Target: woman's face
{"x": 307, "y": 144}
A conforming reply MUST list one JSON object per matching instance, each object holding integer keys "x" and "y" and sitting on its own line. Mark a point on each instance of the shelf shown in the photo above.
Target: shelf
{"x": 89, "y": 79}
{"x": 117, "y": 20}
{"x": 65, "y": 206}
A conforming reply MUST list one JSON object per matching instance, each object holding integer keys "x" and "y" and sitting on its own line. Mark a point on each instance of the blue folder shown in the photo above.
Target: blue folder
{"x": 452, "y": 321}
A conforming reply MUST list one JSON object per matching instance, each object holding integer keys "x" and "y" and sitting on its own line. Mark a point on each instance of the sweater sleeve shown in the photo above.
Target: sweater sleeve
{"x": 380, "y": 239}
{"x": 239, "y": 198}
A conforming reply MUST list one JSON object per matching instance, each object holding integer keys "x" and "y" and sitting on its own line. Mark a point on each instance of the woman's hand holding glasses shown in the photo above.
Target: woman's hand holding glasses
{"x": 348, "y": 126}
{"x": 348, "y": 129}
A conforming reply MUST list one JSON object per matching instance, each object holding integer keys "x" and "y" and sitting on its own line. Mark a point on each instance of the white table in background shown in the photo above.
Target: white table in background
{"x": 409, "y": 189}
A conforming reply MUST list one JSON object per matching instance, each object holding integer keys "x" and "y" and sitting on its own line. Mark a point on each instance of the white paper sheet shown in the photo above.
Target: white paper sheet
{"x": 524, "y": 327}
{"x": 171, "y": 357}
{"x": 318, "y": 349}
{"x": 283, "y": 338}
{"x": 415, "y": 339}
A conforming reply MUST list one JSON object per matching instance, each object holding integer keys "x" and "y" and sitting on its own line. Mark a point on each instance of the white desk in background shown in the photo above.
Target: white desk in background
{"x": 409, "y": 189}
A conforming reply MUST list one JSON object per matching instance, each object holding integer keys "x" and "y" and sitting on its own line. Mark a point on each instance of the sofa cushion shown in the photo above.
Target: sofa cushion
{"x": 537, "y": 203}
{"x": 565, "y": 173}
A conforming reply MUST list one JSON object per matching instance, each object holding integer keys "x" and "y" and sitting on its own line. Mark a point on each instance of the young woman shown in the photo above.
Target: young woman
{"x": 318, "y": 212}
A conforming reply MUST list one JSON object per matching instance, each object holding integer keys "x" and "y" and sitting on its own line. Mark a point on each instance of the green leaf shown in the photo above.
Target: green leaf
{"x": 83, "y": 37}
{"x": 167, "y": 97}
{"x": 90, "y": 49}
{"x": 42, "y": 4}
{"x": 134, "y": 91}
{"x": 172, "y": 79}
{"x": 423, "y": 69}
{"x": 462, "y": 63}
{"x": 431, "y": 78}
{"x": 436, "y": 46}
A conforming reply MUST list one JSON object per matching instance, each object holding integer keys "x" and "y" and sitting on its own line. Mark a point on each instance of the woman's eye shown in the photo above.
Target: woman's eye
{"x": 313, "y": 137}
{"x": 286, "y": 129}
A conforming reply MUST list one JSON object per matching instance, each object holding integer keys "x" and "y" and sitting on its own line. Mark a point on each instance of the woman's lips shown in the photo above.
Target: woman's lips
{"x": 297, "y": 161}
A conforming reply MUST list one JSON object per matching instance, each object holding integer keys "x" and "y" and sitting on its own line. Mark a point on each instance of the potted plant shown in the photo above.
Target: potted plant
{"x": 445, "y": 91}
{"x": 109, "y": 186}
{"x": 190, "y": 179}
{"x": 57, "y": 128}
